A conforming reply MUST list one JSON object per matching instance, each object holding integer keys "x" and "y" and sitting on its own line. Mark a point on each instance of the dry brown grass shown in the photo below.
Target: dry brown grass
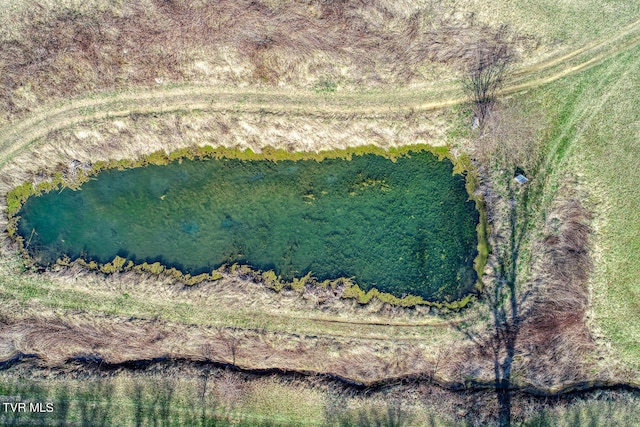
{"x": 555, "y": 332}
{"x": 114, "y": 340}
{"x": 540, "y": 336}
{"x": 133, "y": 137}
{"x": 69, "y": 314}
{"x": 552, "y": 342}
{"x": 57, "y": 53}
{"x": 510, "y": 138}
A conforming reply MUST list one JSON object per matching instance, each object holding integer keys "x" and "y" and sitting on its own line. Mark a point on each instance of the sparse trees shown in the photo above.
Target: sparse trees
{"x": 485, "y": 71}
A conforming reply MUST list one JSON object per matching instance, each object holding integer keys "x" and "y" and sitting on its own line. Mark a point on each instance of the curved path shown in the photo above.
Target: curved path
{"x": 21, "y": 134}
{"x": 26, "y": 132}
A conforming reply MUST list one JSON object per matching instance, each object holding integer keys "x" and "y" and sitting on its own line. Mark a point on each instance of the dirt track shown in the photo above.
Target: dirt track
{"x": 20, "y": 135}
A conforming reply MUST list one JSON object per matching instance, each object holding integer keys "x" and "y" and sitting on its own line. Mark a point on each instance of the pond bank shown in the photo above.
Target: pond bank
{"x": 284, "y": 160}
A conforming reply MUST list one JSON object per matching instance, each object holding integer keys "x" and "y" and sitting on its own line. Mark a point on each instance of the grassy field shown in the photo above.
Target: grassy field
{"x": 590, "y": 138}
{"x": 166, "y": 396}
{"x": 323, "y": 46}
{"x": 91, "y": 94}
{"x": 216, "y": 398}
{"x": 597, "y": 141}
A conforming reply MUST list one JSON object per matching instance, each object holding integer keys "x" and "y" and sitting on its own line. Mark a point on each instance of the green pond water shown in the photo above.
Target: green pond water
{"x": 403, "y": 227}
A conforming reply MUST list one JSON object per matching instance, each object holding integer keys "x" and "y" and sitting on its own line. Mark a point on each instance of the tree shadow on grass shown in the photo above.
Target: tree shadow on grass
{"x": 507, "y": 302}
{"x": 96, "y": 407}
{"x": 390, "y": 414}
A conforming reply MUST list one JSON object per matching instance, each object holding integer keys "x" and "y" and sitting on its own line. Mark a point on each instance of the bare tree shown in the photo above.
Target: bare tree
{"x": 485, "y": 71}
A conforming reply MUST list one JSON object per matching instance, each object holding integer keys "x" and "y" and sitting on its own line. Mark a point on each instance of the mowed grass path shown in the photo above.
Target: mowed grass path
{"x": 596, "y": 137}
{"x": 607, "y": 152}
{"x": 185, "y": 97}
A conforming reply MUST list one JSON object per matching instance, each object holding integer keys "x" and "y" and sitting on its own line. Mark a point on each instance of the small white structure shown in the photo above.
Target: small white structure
{"x": 521, "y": 179}
{"x": 475, "y": 122}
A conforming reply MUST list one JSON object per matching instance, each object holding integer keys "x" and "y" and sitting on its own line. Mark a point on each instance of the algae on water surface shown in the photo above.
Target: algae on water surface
{"x": 404, "y": 227}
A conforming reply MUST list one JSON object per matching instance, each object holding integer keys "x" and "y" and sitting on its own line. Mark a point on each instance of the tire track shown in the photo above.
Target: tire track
{"x": 20, "y": 135}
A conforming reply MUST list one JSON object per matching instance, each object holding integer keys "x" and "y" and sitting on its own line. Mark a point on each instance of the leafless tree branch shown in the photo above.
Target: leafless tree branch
{"x": 486, "y": 71}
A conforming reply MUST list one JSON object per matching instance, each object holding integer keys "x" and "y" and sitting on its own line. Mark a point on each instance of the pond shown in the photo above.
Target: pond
{"x": 405, "y": 226}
